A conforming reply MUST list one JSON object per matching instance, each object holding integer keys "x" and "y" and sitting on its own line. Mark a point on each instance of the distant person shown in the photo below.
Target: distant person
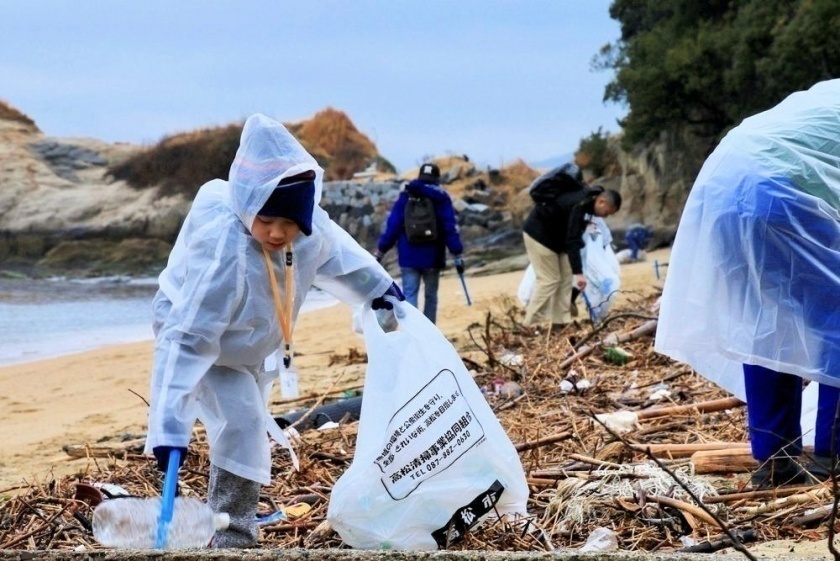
{"x": 422, "y": 225}
{"x": 229, "y": 296}
{"x": 637, "y": 237}
{"x": 553, "y": 234}
{"x": 752, "y": 297}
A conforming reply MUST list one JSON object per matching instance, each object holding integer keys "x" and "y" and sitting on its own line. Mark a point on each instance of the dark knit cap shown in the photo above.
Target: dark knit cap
{"x": 294, "y": 198}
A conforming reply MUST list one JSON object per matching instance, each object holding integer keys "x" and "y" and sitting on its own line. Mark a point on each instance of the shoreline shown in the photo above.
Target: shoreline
{"x": 100, "y": 394}
{"x": 27, "y": 314}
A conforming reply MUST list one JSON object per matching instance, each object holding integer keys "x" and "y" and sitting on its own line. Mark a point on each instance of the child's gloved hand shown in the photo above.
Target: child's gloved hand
{"x": 381, "y": 303}
{"x": 459, "y": 265}
{"x": 162, "y": 456}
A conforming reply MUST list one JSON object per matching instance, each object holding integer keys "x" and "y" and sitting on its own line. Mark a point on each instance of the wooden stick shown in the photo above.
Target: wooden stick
{"x": 307, "y": 397}
{"x": 543, "y": 441}
{"x": 687, "y": 450}
{"x": 320, "y": 399}
{"x": 611, "y": 340}
{"x": 702, "y": 407}
{"x": 685, "y": 507}
{"x": 76, "y": 451}
{"x": 774, "y": 493}
{"x": 816, "y": 496}
{"x": 733, "y": 460}
{"x": 593, "y": 461}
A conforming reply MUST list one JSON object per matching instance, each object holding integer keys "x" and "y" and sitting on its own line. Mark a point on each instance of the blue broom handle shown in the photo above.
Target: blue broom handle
{"x": 466, "y": 293}
{"x": 167, "y": 499}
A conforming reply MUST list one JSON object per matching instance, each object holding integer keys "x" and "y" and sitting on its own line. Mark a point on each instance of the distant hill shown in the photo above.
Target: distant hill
{"x": 181, "y": 163}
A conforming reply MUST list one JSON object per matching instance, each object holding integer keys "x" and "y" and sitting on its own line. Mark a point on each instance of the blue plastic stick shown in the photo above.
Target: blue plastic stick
{"x": 589, "y": 309}
{"x": 167, "y": 499}
{"x": 466, "y": 293}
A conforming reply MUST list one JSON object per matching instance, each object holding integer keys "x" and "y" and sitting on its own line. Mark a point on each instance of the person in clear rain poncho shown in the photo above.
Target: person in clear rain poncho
{"x": 249, "y": 250}
{"x": 752, "y": 297}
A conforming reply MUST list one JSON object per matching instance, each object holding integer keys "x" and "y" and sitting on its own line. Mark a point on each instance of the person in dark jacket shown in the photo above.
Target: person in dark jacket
{"x": 423, "y": 262}
{"x": 553, "y": 234}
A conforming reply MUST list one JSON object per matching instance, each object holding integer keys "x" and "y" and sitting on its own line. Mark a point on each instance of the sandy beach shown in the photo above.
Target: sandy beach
{"x": 100, "y": 394}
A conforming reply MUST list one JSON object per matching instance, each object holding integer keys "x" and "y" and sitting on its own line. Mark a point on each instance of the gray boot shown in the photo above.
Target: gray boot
{"x": 239, "y": 497}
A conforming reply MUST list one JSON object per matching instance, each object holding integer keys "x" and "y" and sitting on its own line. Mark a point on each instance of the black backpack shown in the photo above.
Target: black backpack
{"x": 420, "y": 220}
{"x": 553, "y": 187}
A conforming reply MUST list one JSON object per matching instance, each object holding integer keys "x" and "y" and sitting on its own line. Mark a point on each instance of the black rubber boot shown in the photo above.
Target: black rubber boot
{"x": 819, "y": 467}
{"x": 776, "y": 472}
{"x": 239, "y": 497}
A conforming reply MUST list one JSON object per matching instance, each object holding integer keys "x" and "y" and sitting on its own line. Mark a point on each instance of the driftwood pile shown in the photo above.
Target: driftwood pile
{"x": 676, "y": 478}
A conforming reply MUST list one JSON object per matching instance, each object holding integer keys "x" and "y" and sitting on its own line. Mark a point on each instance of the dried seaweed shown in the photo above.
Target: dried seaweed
{"x": 545, "y": 392}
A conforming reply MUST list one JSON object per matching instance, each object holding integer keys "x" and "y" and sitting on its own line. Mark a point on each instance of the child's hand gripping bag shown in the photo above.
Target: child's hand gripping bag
{"x": 432, "y": 460}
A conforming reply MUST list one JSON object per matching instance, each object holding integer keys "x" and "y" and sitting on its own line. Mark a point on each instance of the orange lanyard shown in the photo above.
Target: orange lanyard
{"x": 283, "y": 314}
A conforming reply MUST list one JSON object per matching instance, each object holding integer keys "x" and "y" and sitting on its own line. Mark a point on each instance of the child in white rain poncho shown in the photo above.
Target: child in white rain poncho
{"x": 220, "y": 311}
{"x": 752, "y": 297}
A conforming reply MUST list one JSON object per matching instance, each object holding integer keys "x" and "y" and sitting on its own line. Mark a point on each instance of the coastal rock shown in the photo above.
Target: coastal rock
{"x": 59, "y": 202}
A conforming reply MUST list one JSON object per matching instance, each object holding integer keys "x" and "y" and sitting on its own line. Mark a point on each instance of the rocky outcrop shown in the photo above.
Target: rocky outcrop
{"x": 654, "y": 181}
{"x": 61, "y": 211}
{"x": 55, "y": 192}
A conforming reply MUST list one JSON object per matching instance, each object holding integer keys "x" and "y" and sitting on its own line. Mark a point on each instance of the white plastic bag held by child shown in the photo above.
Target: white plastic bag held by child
{"x": 431, "y": 458}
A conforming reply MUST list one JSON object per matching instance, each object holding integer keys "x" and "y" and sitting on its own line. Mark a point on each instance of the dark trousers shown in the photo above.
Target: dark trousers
{"x": 774, "y": 406}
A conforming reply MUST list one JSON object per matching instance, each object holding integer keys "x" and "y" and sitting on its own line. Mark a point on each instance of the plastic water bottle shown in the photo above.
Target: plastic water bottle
{"x": 132, "y": 523}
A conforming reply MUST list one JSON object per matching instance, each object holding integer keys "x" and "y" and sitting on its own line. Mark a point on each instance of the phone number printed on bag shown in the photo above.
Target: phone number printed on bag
{"x": 427, "y": 435}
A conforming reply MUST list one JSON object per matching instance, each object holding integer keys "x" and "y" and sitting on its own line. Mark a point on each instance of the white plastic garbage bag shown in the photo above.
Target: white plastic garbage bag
{"x": 431, "y": 458}
{"x": 526, "y": 285}
{"x": 602, "y": 271}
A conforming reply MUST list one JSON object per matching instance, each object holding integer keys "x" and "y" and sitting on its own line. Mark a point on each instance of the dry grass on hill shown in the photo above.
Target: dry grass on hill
{"x": 9, "y": 113}
{"x": 334, "y": 140}
{"x": 181, "y": 163}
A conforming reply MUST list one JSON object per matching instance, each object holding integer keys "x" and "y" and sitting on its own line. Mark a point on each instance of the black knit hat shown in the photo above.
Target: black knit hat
{"x": 294, "y": 198}
{"x": 429, "y": 173}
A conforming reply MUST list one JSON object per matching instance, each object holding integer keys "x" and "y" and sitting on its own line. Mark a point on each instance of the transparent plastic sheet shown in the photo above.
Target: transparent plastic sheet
{"x": 212, "y": 328}
{"x": 754, "y": 273}
{"x": 431, "y": 458}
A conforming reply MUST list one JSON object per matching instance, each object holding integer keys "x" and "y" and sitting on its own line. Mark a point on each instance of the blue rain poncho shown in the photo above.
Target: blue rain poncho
{"x": 215, "y": 319}
{"x": 754, "y": 272}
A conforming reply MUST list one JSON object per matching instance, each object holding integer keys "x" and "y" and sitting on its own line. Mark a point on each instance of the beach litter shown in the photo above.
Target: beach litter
{"x": 581, "y": 475}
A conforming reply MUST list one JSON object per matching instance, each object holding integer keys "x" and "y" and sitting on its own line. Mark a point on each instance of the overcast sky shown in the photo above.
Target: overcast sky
{"x": 494, "y": 79}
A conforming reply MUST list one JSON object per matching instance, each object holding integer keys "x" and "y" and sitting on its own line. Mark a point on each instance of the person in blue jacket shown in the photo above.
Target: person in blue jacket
{"x": 423, "y": 262}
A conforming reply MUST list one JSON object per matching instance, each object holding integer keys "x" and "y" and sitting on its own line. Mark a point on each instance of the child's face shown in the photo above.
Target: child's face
{"x": 274, "y": 233}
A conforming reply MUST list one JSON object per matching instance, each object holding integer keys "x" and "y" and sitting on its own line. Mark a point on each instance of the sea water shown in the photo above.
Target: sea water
{"x": 43, "y": 318}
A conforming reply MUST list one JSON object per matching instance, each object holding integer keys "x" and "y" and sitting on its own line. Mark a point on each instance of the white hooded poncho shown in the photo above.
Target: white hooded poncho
{"x": 754, "y": 272}
{"x": 215, "y": 318}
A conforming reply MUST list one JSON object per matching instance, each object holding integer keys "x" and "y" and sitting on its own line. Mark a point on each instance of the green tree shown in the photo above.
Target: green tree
{"x": 593, "y": 153}
{"x": 715, "y": 62}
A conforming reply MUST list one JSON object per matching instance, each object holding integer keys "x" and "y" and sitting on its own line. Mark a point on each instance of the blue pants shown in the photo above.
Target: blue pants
{"x": 774, "y": 405}
{"x": 411, "y": 279}
{"x": 636, "y": 240}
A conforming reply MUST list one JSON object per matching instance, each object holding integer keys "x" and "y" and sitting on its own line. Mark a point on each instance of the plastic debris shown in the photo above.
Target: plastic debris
{"x": 510, "y": 359}
{"x": 601, "y": 539}
{"x": 617, "y": 355}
